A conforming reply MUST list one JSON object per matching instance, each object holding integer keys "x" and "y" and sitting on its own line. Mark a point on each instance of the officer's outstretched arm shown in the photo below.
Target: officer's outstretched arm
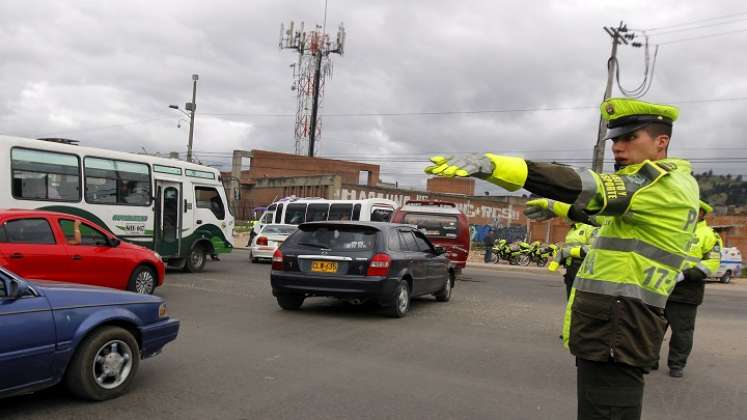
{"x": 589, "y": 192}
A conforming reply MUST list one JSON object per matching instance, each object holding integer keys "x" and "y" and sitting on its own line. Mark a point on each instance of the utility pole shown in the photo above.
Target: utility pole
{"x": 191, "y": 107}
{"x": 313, "y": 67}
{"x": 616, "y": 34}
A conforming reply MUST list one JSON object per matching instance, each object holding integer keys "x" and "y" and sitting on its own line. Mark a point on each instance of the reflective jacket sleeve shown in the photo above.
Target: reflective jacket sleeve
{"x": 590, "y": 193}
{"x": 711, "y": 249}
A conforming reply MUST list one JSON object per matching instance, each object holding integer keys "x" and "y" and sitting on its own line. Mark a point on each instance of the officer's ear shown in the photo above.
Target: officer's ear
{"x": 662, "y": 142}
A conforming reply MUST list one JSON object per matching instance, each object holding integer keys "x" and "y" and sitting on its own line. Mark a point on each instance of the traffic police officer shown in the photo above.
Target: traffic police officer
{"x": 615, "y": 316}
{"x": 682, "y": 305}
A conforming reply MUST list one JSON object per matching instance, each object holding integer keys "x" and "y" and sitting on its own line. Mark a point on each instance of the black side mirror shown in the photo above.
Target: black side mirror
{"x": 439, "y": 250}
{"x": 114, "y": 242}
{"x": 15, "y": 288}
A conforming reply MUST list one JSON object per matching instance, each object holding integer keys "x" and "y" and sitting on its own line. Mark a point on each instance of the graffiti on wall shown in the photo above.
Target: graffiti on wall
{"x": 477, "y": 211}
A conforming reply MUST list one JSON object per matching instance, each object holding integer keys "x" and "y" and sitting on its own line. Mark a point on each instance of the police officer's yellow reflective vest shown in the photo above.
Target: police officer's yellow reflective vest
{"x": 641, "y": 250}
{"x": 706, "y": 249}
{"x": 576, "y": 243}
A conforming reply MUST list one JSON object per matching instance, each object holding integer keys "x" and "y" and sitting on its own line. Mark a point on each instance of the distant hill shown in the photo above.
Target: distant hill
{"x": 722, "y": 190}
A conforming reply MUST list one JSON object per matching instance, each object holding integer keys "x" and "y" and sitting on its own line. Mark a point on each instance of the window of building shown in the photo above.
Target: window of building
{"x": 209, "y": 198}
{"x": 29, "y": 231}
{"x": 111, "y": 181}
{"x": 39, "y": 175}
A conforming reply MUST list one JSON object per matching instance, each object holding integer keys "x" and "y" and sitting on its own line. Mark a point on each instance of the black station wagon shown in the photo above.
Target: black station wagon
{"x": 356, "y": 261}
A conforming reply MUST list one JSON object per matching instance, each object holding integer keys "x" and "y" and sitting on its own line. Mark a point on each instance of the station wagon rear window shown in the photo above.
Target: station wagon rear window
{"x": 336, "y": 238}
{"x": 434, "y": 225}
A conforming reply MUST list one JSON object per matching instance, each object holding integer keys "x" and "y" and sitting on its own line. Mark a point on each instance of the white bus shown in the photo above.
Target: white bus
{"x": 294, "y": 211}
{"x": 174, "y": 207}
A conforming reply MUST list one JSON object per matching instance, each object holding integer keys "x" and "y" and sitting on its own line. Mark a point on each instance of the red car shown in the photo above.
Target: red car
{"x": 57, "y": 246}
{"x": 442, "y": 222}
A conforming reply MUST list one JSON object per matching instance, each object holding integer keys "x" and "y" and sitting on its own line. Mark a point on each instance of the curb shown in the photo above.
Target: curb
{"x": 506, "y": 267}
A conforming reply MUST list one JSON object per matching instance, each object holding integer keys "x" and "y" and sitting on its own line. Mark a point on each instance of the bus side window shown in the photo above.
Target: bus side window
{"x": 41, "y": 175}
{"x": 340, "y": 211}
{"x": 279, "y": 214}
{"x": 357, "y": 212}
{"x": 295, "y": 214}
{"x": 317, "y": 212}
{"x": 381, "y": 215}
{"x": 208, "y": 198}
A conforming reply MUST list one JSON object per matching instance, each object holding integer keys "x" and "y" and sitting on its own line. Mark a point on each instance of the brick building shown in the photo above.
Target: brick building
{"x": 273, "y": 175}
{"x": 464, "y": 186}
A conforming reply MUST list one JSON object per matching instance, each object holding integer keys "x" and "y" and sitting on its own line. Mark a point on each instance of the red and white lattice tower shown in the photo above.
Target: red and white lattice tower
{"x": 311, "y": 70}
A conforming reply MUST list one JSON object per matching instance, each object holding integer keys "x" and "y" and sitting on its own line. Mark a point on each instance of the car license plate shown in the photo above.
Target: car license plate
{"x": 324, "y": 267}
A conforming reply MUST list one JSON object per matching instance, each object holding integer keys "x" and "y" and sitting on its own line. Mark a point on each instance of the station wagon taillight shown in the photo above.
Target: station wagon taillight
{"x": 379, "y": 265}
{"x": 262, "y": 240}
{"x": 277, "y": 260}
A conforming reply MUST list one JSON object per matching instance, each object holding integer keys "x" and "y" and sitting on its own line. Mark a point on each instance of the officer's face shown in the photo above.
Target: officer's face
{"x": 638, "y": 146}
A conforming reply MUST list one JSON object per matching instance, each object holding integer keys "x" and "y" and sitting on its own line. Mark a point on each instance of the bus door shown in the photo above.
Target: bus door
{"x": 167, "y": 228}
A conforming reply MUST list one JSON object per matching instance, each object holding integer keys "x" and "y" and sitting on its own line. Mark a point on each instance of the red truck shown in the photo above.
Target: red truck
{"x": 442, "y": 223}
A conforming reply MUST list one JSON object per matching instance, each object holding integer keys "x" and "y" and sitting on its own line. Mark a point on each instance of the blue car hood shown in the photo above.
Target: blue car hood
{"x": 66, "y": 295}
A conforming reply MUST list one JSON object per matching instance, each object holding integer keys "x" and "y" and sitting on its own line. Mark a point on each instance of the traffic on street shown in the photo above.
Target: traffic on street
{"x": 491, "y": 351}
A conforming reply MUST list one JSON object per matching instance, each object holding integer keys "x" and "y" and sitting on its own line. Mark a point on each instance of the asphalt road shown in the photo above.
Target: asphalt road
{"x": 492, "y": 352}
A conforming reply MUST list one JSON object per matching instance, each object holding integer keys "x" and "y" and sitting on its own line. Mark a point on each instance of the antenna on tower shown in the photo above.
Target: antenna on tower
{"x": 314, "y": 66}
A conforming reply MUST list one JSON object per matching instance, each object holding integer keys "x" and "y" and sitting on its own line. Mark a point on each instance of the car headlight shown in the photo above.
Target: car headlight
{"x": 157, "y": 255}
{"x": 163, "y": 312}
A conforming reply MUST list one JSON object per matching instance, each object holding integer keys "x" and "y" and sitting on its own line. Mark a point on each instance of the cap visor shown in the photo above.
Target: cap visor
{"x": 616, "y": 132}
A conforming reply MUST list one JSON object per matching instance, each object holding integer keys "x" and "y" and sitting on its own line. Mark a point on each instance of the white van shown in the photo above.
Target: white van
{"x": 294, "y": 211}
{"x": 731, "y": 264}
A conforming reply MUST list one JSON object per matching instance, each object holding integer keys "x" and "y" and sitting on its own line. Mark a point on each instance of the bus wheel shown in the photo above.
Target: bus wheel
{"x": 196, "y": 260}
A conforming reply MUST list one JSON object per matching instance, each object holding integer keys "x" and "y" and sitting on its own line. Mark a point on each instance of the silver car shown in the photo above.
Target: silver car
{"x": 269, "y": 238}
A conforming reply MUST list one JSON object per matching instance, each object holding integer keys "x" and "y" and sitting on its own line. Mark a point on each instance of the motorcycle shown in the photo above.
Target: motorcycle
{"x": 516, "y": 253}
{"x": 540, "y": 254}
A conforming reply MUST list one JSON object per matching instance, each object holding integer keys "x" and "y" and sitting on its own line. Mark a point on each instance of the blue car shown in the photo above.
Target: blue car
{"x": 92, "y": 338}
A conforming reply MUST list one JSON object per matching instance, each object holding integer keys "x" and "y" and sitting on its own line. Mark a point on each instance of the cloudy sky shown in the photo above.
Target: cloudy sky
{"x": 417, "y": 78}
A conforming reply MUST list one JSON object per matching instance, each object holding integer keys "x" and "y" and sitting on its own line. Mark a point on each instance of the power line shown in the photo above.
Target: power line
{"x": 702, "y": 37}
{"x": 692, "y": 28}
{"x": 467, "y": 112}
{"x": 384, "y": 114}
{"x": 696, "y": 21}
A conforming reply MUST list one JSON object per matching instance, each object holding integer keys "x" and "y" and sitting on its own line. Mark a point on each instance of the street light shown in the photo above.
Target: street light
{"x": 191, "y": 107}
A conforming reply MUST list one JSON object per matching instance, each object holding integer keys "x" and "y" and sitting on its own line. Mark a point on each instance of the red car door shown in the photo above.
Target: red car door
{"x": 92, "y": 259}
{"x": 29, "y": 247}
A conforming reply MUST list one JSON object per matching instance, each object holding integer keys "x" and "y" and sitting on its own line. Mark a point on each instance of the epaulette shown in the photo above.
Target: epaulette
{"x": 667, "y": 166}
